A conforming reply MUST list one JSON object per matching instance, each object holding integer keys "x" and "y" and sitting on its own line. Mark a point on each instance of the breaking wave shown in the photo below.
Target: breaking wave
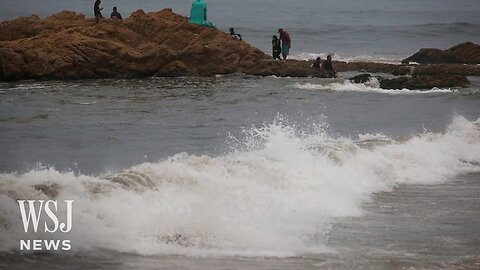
{"x": 276, "y": 194}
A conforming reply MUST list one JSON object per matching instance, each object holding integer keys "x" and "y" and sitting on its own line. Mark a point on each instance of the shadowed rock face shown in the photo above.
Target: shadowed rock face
{"x": 425, "y": 82}
{"x": 68, "y": 46}
{"x": 465, "y": 53}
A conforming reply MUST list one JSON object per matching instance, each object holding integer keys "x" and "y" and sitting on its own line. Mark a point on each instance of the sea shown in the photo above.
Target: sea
{"x": 246, "y": 172}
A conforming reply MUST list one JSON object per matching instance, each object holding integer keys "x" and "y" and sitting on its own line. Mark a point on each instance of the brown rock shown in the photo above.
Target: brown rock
{"x": 68, "y": 46}
{"x": 465, "y": 53}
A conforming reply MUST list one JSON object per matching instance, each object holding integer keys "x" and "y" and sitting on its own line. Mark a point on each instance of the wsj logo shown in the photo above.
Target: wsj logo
{"x": 35, "y": 209}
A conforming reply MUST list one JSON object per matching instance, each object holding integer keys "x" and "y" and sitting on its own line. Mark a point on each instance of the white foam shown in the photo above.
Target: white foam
{"x": 372, "y": 86}
{"x": 275, "y": 196}
{"x": 347, "y": 58}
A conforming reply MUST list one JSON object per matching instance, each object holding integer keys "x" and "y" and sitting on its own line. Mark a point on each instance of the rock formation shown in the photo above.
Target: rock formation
{"x": 361, "y": 78}
{"x": 69, "y": 46}
{"x": 465, "y": 53}
{"x": 425, "y": 82}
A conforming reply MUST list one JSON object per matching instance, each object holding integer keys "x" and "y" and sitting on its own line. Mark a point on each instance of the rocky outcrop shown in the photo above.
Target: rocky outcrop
{"x": 69, "y": 46}
{"x": 425, "y": 82}
{"x": 465, "y": 53}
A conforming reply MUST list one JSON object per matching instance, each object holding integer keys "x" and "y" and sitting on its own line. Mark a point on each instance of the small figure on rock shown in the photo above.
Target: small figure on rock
{"x": 234, "y": 35}
{"x": 286, "y": 43}
{"x": 317, "y": 63}
{"x": 97, "y": 9}
{"x": 276, "y": 48}
{"x": 327, "y": 64}
{"x": 115, "y": 14}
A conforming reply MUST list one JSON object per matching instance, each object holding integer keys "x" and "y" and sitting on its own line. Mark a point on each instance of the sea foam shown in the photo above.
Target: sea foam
{"x": 372, "y": 86}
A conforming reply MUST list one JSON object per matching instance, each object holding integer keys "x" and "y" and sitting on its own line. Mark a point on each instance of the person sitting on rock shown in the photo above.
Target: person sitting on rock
{"x": 286, "y": 43}
{"x": 327, "y": 65}
{"x": 115, "y": 14}
{"x": 96, "y": 10}
{"x": 276, "y": 48}
{"x": 234, "y": 35}
{"x": 317, "y": 63}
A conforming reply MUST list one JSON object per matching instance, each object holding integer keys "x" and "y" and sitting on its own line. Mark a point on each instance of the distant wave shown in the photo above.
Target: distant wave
{"x": 275, "y": 194}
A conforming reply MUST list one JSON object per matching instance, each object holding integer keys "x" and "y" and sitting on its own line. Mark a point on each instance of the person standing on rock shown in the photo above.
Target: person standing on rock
{"x": 115, "y": 14}
{"x": 286, "y": 43}
{"x": 276, "y": 48}
{"x": 97, "y": 10}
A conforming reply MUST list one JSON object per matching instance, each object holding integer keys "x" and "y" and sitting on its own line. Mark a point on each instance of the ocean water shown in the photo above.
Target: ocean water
{"x": 243, "y": 172}
{"x": 381, "y": 30}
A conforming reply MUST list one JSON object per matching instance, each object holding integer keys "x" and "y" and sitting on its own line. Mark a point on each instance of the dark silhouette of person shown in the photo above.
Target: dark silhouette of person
{"x": 286, "y": 43}
{"x": 97, "y": 9}
{"x": 115, "y": 14}
{"x": 233, "y": 34}
{"x": 317, "y": 63}
{"x": 327, "y": 64}
{"x": 276, "y": 48}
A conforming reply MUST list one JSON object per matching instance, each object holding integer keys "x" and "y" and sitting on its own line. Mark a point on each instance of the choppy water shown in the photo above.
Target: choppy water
{"x": 381, "y": 30}
{"x": 245, "y": 172}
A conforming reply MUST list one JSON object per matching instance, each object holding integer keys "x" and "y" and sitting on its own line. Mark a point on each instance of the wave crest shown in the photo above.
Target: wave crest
{"x": 277, "y": 197}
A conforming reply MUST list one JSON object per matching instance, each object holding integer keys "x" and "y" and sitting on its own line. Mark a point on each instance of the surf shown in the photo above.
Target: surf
{"x": 276, "y": 193}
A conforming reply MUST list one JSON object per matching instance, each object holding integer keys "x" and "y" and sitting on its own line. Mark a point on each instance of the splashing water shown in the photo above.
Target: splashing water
{"x": 277, "y": 196}
{"x": 371, "y": 86}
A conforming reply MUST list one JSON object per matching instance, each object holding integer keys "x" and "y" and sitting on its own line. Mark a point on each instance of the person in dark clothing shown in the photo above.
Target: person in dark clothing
{"x": 115, "y": 14}
{"x": 317, "y": 63}
{"x": 233, "y": 34}
{"x": 276, "y": 48}
{"x": 327, "y": 65}
{"x": 286, "y": 43}
{"x": 97, "y": 9}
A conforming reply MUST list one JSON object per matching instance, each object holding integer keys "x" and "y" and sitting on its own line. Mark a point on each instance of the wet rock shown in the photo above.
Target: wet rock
{"x": 425, "y": 82}
{"x": 465, "y": 53}
{"x": 361, "y": 78}
{"x": 364, "y": 78}
{"x": 51, "y": 190}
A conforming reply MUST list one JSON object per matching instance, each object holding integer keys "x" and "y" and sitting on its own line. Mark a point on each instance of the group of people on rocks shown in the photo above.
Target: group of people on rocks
{"x": 283, "y": 44}
{"x": 280, "y": 45}
{"x": 324, "y": 65}
{"x": 97, "y": 10}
